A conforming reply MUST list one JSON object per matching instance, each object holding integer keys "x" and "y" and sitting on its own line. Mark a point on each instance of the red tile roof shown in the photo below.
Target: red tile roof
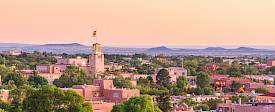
{"x": 269, "y": 94}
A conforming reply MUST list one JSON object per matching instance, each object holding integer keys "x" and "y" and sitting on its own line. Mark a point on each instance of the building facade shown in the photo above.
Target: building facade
{"x": 174, "y": 72}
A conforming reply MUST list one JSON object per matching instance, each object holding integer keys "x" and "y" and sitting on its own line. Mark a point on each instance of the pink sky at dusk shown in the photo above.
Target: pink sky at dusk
{"x": 139, "y": 22}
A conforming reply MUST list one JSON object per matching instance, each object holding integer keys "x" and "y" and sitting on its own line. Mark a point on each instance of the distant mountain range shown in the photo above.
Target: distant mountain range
{"x": 79, "y": 48}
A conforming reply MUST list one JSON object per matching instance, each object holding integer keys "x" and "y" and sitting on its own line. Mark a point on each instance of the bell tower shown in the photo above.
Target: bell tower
{"x": 96, "y": 60}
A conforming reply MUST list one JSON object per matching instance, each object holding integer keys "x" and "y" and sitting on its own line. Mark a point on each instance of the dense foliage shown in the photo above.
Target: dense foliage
{"x": 17, "y": 78}
{"x": 204, "y": 107}
{"x": 37, "y": 81}
{"x": 73, "y": 76}
{"x": 212, "y": 103}
{"x": 27, "y": 61}
{"x": 164, "y": 102}
{"x": 236, "y": 98}
{"x": 50, "y": 98}
{"x": 262, "y": 90}
{"x": 136, "y": 104}
{"x": 203, "y": 80}
{"x": 189, "y": 102}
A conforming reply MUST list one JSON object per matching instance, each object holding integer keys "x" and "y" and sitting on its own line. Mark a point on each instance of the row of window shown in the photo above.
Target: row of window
{"x": 183, "y": 73}
{"x": 126, "y": 95}
{"x": 49, "y": 76}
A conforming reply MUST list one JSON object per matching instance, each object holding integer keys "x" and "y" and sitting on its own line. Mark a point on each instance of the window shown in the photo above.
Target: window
{"x": 3, "y": 97}
{"x": 126, "y": 95}
{"x": 115, "y": 94}
{"x": 175, "y": 73}
{"x": 48, "y": 76}
{"x": 183, "y": 73}
{"x": 116, "y": 102}
{"x": 50, "y": 82}
{"x": 95, "y": 94}
{"x": 55, "y": 76}
{"x": 110, "y": 100}
{"x": 135, "y": 94}
{"x": 106, "y": 100}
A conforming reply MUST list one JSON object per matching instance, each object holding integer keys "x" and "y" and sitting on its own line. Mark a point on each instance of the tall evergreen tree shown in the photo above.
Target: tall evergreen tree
{"x": 163, "y": 77}
{"x": 203, "y": 80}
{"x": 164, "y": 102}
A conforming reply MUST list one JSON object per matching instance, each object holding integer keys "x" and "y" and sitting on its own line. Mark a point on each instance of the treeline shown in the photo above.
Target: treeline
{"x": 191, "y": 63}
{"x": 27, "y": 61}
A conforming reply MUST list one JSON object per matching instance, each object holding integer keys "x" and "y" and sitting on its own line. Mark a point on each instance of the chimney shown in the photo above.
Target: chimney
{"x": 240, "y": 101}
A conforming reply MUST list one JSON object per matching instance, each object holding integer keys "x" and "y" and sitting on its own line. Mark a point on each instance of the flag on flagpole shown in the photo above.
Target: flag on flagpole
{"x": 94, "y": 33}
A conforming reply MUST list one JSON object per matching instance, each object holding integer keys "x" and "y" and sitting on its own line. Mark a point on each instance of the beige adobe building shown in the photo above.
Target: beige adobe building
{"x": 11, "y": 52}
{"x": 174, "y": 72}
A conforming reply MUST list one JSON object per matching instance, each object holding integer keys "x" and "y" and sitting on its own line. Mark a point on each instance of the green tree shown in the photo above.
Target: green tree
{"x": 117, "y": 72}
{"x": 73, "y": 76}
{"x": 135, "y": 63}
{"x": 270, "y": 70}
{"x": 105, "y": 74}
{"x": 18, "y": 78}
{"x": 37, "y": 81}
{"x": 164, "y": 102}
{"x": 9, "y": 86}
{"x": 203, "y": 80}
{"x": 2, "y": 110}
{"x": 266, "y": 82}
{"x": 235, "y": 85}
{"x": 163, "y": 77}
{"x": 136, "y": 104}
{"x": 235, "y": 71}
{"x": 122, "y": 83}
{"x": 221, "y": 71}
{"x": 5, "y": 106}
{"x": 236, "y": 98}
{"x": 4, "y": 71}
{"x": 212, "y": 103}
{"x": 152, "y": 81}
{"x": 50, "y": 98}
{"x": 16, "y": 97}
{"x": 217, "y": 60}
{"x": 204, "y": 107}
{"x": 189, "y": 102}
{"x": 181, "y": 82}
{"x": 208, "y": 91}
{"x": 261, "y": 90}
{"x": 141, "y": 55}
{"x": 199, "y": 91}
{"x": 75, "y": 103}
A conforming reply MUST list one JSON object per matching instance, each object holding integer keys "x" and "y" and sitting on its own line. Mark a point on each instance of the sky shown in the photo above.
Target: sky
{"x": 139, "y": 22}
